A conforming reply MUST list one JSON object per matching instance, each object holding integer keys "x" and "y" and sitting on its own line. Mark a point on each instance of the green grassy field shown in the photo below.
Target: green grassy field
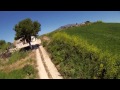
{"x": 104, "y": 36}
{"x": 90, "y": 51}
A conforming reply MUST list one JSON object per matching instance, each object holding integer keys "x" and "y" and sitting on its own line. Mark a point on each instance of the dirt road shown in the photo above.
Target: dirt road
{"x": 46, "y": 69}
{"x": 41, "y": 69}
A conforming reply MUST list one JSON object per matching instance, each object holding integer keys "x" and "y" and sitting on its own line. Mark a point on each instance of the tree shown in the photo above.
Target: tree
{"x": 25, "y": 29}
{"x": 87, "y": 22}
{"x": 99, "y": 21}
{"x": 2, "y": 42}
{"x": 4, "y": 45}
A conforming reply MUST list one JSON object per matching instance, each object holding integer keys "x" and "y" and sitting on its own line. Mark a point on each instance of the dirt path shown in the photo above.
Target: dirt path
{"x": 46, "y": 68}
{"x": 41, "y": 69}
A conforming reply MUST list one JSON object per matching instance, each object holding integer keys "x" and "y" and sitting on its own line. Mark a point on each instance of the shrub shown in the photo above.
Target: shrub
{"x": 28, "y": 69}
{"x": 44, "y": 43}
{"x": 99, "y": 21}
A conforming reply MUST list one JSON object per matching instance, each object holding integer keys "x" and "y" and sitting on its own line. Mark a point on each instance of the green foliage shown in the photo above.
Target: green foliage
{"x": 17, "y": 56}
{"x": 27, "y": 28}
{"x": 104, "y": 36}
{"x": 16, "y": 74}
{"x": 78, "y": 58}
{"x": 4, "y": 45}
{"x": 87, "y": 22}
{"x": 2, "y": 42}
{"x": 44, "y": 43}
{"x": 29, "y": 69}
{"x": 99, "y": 21}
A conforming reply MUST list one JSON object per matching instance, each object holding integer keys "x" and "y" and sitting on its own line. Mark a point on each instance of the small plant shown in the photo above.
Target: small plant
{"x": 44, "y": 43}
{"x": 28, "y": 69}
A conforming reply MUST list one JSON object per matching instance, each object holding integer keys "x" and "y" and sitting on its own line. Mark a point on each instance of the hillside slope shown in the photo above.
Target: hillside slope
{"x": 88, "y": 51}
{"x": 20, "y": 65}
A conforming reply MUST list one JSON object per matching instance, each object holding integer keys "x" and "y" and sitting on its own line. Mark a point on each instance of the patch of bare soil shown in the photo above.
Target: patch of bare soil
{"x": 46, "y": 38}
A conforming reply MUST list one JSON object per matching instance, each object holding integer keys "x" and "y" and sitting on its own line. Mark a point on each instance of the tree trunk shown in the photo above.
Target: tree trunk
{"x": 30, "y": 45}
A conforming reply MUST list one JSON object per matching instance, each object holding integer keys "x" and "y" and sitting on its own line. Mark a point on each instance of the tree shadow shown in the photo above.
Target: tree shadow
{"x": 34, "y": 47}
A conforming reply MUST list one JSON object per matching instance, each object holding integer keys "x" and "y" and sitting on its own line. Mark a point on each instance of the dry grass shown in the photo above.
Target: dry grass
{"x": 30, "y": 59}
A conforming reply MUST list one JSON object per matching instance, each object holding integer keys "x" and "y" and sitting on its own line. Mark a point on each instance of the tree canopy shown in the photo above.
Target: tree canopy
{"x": 2, "y": 42}
{"x": 86, "y": 22}
{"x": 27, "y": 28}
{"x": 4, "y": 45}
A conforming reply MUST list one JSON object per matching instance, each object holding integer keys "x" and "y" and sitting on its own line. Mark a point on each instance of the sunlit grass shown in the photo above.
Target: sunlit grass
{"x": 21, "y": 65}
{"x": 26, "y": 71}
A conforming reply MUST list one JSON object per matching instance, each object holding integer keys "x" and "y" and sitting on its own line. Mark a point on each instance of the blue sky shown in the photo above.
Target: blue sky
{"x": 51, "y": 20}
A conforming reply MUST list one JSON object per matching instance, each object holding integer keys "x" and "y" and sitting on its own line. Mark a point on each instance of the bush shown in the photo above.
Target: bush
{"x": 99, "y": 21}
{"x": 44, "y": 43}
{"x": 28, "y": 69}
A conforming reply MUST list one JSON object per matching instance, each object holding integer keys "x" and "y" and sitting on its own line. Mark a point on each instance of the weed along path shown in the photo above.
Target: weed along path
{"x": 46, "y": 69}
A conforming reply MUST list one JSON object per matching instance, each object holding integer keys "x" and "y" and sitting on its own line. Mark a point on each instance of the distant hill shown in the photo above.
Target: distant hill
{"x": 70, "y": 25}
